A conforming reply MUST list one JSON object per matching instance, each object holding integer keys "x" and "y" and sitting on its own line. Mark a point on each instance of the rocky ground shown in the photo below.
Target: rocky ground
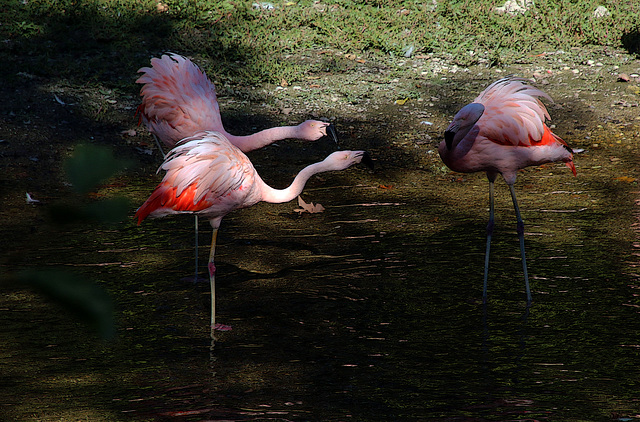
{"x": 397, "y": 109}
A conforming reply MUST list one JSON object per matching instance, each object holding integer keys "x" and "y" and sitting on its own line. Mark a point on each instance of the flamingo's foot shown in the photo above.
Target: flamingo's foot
{"x": 212, "y": 268}
{"x": 222, "y": 327}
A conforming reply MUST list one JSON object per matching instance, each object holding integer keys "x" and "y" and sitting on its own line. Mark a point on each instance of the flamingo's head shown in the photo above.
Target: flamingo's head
{"x": 341, "y": 160}
{"x": 312, "y": 130}
{"x": 462, "y": 123}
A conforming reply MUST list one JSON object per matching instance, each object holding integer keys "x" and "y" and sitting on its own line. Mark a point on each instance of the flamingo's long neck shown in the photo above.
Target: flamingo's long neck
{"x": 263, "y": 138}
{"x": 277, "y": 196}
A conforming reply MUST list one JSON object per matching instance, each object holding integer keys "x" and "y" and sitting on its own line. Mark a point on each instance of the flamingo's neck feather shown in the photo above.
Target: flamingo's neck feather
{"x": 263, "y": 138}
{"x": 277, "y": 196}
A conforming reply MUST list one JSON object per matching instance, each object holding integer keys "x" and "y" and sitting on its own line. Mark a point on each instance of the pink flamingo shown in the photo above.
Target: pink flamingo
{"x": 502, "y": 131}
{"x": 208, "y": 176}
{"x": 178, "y": 100}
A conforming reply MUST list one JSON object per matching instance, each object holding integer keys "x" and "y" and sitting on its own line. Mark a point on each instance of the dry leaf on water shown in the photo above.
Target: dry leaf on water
{"x": 310, "y": 207}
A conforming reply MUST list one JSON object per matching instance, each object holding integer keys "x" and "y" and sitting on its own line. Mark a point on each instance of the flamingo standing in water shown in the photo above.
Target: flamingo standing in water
{"x": 206, "y": 175}
{"x": 178, "y": 100}
{"x": 502, "y": 131}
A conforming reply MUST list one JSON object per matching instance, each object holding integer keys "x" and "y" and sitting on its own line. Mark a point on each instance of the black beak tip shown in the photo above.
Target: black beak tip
{"x": 366, "y": 160}
{"x": 448, "y": 138}
{"x": 333, "y": 132}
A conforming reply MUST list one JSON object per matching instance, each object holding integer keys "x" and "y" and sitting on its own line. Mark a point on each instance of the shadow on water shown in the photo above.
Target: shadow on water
{"x": 369, "y": 311}
{"x": 397, "y": 330}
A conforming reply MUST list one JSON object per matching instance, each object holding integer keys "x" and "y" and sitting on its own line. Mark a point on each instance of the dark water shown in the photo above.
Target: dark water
{"x": 369, "y": 311}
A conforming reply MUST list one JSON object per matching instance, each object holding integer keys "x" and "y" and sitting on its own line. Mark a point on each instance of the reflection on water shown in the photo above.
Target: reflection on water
{"x": 380, "y": 318}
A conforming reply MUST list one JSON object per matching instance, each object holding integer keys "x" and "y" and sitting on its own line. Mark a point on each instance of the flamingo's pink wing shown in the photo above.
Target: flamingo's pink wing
{"x": 513, "y": 114}
{"x": 178, "y": 99}
{"x": 202, "y": 171}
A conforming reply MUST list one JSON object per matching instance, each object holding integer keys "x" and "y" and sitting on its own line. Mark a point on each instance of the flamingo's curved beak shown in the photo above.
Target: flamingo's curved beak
{"x": 331, "y": 131}
{"x": 448, "y": 138}
{"x": 366, "y": 160}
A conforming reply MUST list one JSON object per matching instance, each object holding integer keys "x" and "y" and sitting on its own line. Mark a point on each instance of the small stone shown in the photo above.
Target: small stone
{"x": 601, "y": 12}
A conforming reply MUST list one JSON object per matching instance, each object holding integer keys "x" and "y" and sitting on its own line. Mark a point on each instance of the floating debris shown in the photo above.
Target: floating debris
{"x": 59, "y": 100}
{"x": 31, "y": 201}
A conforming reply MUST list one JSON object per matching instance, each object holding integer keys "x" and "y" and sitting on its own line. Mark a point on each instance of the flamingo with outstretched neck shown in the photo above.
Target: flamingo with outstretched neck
{"x": 208, "y": 176}
{"x": 502, "y": 131}
{"x": 179, "y": 100}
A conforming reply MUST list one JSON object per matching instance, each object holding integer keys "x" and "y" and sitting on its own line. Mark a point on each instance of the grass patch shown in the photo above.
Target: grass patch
{"x": 256, "y": 42}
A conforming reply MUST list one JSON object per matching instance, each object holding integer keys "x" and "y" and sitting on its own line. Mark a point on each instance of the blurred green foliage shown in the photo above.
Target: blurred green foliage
{"x": 83, "y": 298}
{"x": 90, "y": 165}
{"x": 87, "y": 169}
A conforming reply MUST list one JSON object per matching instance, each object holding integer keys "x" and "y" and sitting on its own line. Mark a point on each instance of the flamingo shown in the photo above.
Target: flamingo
{"x": 502, "y": 131}
{"x": 179, "y": 100}
{"x": 207, "y": 175}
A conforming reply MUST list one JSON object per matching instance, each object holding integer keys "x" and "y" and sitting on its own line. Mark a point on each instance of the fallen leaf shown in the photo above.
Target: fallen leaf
{"x": 626, "y": 179}
{"x": 401, "y": 102}
{"x": 310, "y": 207}
{"x": 634, "y": 89}
{"x": 385, "y": 186}
{"x": 130, "y": 132}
